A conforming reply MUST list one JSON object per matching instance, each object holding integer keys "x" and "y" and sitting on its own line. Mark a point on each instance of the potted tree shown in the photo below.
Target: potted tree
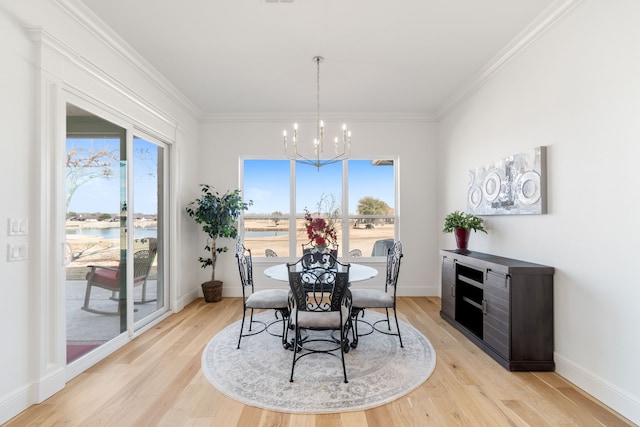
{"x": 461, "y": 224}
{"x": 218, "y": 214}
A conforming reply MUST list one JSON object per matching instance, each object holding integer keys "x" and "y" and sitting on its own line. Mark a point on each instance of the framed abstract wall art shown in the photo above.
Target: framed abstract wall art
{"x": 515, "y": 185}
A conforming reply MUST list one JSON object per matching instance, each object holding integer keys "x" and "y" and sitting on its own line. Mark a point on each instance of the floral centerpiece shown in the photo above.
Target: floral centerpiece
{"x": 321, "y": 232}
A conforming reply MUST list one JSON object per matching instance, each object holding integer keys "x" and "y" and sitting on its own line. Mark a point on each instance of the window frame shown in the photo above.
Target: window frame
{"x": 346, "y": 218}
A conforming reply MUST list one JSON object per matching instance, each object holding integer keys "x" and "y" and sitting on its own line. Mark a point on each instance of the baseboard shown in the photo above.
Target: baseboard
{"x": 418, "y": 291}
{"x": 12, "y": 404}
{"x": 615, "y": 398}
{"x": 186, "y": 299}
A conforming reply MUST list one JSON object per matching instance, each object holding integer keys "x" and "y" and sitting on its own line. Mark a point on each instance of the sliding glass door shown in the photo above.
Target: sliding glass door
{"x": 148, "y": 220}
{"x": 115, "y": 185}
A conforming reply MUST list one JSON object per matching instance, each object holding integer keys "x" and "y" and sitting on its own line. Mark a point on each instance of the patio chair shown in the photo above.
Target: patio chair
{"x": 109, "y": 278}
{"x": 381, "y": 247}
{"x": 355, "y": 252}
{"x": 378, "y": 298}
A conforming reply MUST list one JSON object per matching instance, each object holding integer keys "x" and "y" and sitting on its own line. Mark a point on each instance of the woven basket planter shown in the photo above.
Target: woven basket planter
{"x": 212, "y": 291}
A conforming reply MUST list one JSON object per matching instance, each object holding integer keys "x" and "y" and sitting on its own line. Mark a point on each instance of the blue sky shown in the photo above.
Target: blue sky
{"x": 266, "y": 182}
{"x": 103, "y": 195}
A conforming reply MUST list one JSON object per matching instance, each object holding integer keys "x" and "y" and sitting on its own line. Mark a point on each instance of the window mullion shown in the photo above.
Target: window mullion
{"x": 345, "y": 207}
{"x": 292, "y": 208}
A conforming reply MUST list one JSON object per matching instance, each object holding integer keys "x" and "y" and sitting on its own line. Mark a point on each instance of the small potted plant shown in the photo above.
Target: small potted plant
{"x": 461, "y": 224}
{"x": 218, "y": 214}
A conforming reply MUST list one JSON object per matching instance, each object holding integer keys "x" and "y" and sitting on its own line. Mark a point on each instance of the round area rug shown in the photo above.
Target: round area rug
{"x": 379, "y": 370}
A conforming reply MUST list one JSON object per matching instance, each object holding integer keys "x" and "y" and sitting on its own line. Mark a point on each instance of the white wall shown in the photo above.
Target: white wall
{"x": 412, "y": 139}
{"x": 574, "y": 90}
{"x": 16, "y": 106}
{"x": 48, "y": 57}
{"x": 577, "y": 91}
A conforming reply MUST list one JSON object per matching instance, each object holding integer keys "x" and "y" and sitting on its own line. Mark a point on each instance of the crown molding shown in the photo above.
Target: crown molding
{"x": 45, "y": 40}
{"x": 546, "y": 20}
{"x": 257, "y": 117}
{"x": 94, "y": 25}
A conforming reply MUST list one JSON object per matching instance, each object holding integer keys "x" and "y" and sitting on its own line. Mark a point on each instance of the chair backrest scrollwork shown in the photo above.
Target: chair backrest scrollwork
{"x": 245, "y": 267}
{"x": 319, "y": 288}
{"x": 332, "y": 249}
{"x": 394, "y": 256}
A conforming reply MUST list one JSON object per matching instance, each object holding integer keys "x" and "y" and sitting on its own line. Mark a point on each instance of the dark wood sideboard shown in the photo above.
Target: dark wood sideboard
{"x": 503, "y": 305}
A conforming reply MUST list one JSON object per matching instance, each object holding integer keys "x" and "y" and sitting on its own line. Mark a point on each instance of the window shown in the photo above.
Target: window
{"x": 281, "y": 191}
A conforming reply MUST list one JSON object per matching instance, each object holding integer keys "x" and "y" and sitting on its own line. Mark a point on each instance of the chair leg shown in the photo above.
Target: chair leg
{"x": 395, "y": 314}
{"x": 143, "y": 299}
{"x": 244, "y": 314}
{"x": 87, "y": 300}
{"x": 251, "y": 320}
{"x": 144, "y": 292}
{"x": 355, "y": 312}
{"x": 285, "y": 326}
{"x": 344, "y": 342}
{"x": 295, "y": 350}
{"x": 87, "y": 297}
{"x": 388, "y": 322}
{"x": 263, "y": 326}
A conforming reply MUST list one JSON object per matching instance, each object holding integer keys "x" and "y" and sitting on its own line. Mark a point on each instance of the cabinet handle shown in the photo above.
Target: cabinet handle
{"x": 453, "y": 291}
{"x": 484, "y": 307}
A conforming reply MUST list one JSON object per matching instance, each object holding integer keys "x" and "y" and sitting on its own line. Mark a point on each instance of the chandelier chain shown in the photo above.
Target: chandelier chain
{"x": 318, "y": 60}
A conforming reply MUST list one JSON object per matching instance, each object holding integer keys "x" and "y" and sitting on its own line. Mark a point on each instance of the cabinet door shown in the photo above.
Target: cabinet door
{"x": 449, "y": 287}
{"x": 496, "y": 312}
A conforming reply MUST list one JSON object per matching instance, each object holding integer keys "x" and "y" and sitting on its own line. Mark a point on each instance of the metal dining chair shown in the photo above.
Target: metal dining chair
{"x": 275, "y": 299}
{"x": 321, "y": 301}
{"x": 378, "y": 298}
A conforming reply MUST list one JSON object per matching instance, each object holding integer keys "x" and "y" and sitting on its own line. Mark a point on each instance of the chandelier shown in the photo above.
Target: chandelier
{"x": 341, "y": 149}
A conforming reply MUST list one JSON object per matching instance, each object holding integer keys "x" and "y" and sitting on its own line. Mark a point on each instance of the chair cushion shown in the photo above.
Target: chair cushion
{"x": 320, "y": 320}
{"x": 105, "y": 277}
{"x": 110, "y": 278}
{"x": 269, "y": 298}
{"x": 371, "y": 298}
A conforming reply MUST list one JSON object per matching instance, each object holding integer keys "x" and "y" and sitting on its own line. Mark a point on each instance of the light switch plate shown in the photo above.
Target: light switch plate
{"x": 17, "y": 227}
{"x": 16, "y": 252}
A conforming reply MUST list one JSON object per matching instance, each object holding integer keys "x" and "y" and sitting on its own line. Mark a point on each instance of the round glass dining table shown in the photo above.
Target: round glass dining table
{"x": 357, "y": 272}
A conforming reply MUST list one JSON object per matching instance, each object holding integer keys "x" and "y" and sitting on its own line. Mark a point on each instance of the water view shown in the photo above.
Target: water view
{"x": 112, "y": 232}
{"x": 248, "y": 234}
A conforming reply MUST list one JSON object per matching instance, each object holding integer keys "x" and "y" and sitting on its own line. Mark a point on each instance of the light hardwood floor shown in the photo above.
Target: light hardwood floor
{"x": 156, "y": 380}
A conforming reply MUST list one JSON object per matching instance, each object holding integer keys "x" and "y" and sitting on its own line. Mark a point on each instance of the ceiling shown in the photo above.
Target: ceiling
{"x": 255, "y": 56}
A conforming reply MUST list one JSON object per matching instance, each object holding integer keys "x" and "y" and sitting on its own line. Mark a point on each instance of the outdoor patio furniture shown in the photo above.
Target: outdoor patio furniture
{"x": 110, "y": 278}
